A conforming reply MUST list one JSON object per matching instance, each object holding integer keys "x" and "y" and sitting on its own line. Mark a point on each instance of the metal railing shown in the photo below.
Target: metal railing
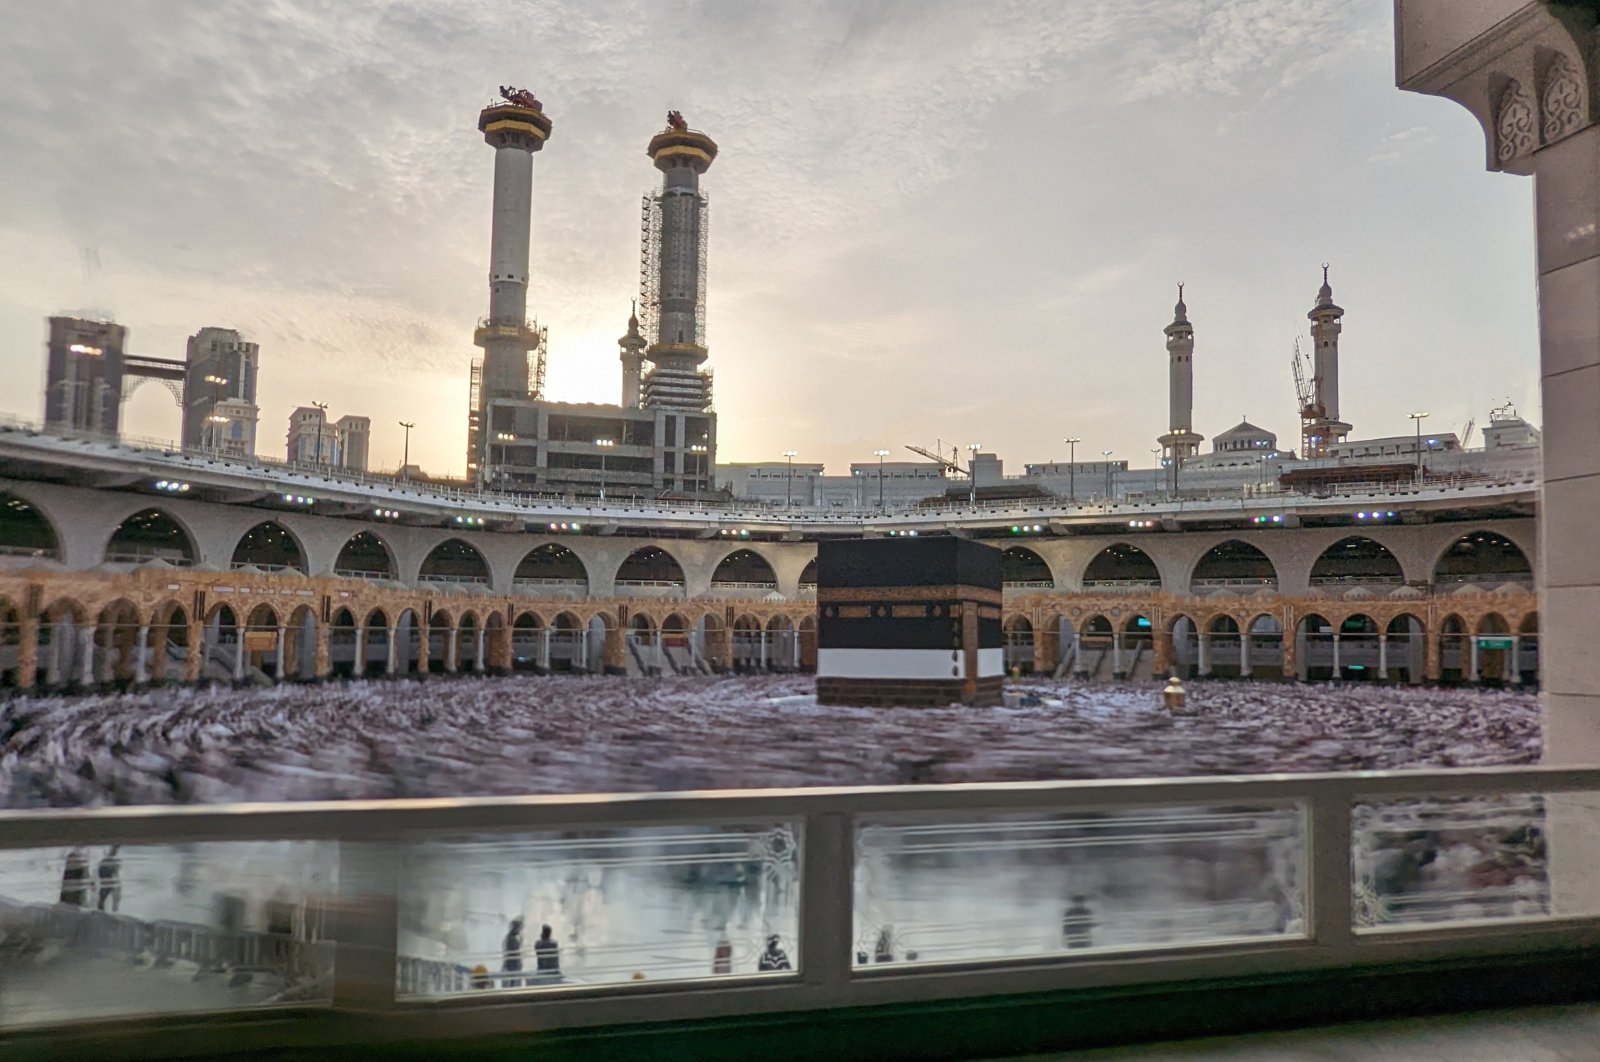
{"x": 145, "y": 556}
{"x": 536, "y": 506}
{"x": 1357, "y": 580}
{"x": 436, "y": 577}
{"x": 373, "y": 838}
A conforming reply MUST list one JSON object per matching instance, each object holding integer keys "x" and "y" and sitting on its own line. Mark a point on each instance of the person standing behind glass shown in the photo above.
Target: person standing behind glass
{"x": 1077, "y": 923}
{"x": 547, "y": 955}
{"x": 511, "y": 955}
{"x": 110, "y": 874}
{"x": 75, "y": 879}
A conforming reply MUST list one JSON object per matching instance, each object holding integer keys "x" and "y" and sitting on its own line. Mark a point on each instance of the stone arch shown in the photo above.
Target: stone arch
{"x": 64, "y": 649}
{"x": 551, "y": 565}
{"x": 466, "y": 642}
{"x": 1313, "y": 651}
{"x": 808, "y": 641}
{"x": 1121, "y": 566}
{"x": 600, "y": 647}
{"x": 342, "y": 643}
{"x": 1483, "y": 557}
{"x": 649, "y": 566}
{"x": 1454, "y": 654}
{"x": 271, "y": 547}
{"x": 149, "y": 535}
{"x": 1405, "y": 648}
{"x": 441, "y": 641}
{"x": 454, "y": 561}
{"x": 1022, "y": 568}
{"x": 530, "y": 642}
{"x": 1356, "y": 560}
{"x": 744, "y": 569}
{"x": 1016, "y": 632}
{"x": 168, "y": 642}
{"x": 783, "y": 644}
{"x": 808, "y": 575}
{"x": 300, "y": 650}
{"x": 410, "y": 642}
{"x": 496, "y": 643}
{"x": 1233, "y": 563}
{"x": 568, "y": 643}
{"x": 26, "y": 530}
{"x": 10, "y": 643}
{"x": 747, "y": 643}
{"x": 1263, "y": 645}
{"x": 711, "y": 641}
{"x": 116, "y": 643}
{"x": 365, "y": 555}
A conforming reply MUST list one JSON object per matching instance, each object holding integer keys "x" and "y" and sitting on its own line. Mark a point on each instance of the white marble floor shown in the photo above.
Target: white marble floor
{"x": 1533, "y": 1034}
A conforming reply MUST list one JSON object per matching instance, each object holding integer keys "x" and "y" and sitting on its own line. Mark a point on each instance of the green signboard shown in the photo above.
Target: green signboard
{"x": 1487, "y": 642}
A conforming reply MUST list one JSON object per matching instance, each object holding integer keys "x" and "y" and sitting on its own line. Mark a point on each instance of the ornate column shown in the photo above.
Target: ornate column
{"x": 452, "y": 649}
{"x": 1162, "y": 662}
{"x": 1244, "y": 653}
{"x": 28, "y": 652}
{"x": 86, "y": 675}
{"x": 477, "y": 658}
{"x": 141, "y": 668}
{"x": 1044, "y": 651}
{"x": 322, "y": 667}
{"x": 1383, "y": 657}
{"x": 1511, "y": 661}
{"x": 615, "y": 651}
{"x": 390, "y": 664}
{"x": 424, "y": 645}
{"x": 358, "y": 665}
{"x": 279, "y": 654}
{"x": 1433, "y": 654}
{"x": 194, "y": 651}
{"x": 1289, "y": 640}
{"x": 238, "y": 653}
{"x": 544, "y": 648}
{"x": 1337, "y": 672}
{"x": 1472, "y": 658}
{"x": 1116, "y": 654}
{"x": 1202, "y": 653}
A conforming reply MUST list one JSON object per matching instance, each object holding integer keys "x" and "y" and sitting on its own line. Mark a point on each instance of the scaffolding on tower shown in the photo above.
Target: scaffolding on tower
{"x": 536, "y": 368}
{"x": 703, "y": 228}
{"x": 474, "y": 417}
{"x": 650, "y": 267}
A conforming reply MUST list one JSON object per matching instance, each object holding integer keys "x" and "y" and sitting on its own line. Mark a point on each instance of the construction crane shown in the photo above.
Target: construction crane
{"x": 1308, "y": 389}
{"x": 944, "y": 462}
{"x": 1466, "y": 433}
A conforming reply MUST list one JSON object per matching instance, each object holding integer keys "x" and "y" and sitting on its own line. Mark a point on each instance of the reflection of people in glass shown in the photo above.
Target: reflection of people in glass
{"x": 774, "y": 958}
{"x": 110, "y": 874}
{"x": 547, "y": 954}
{"x": 884, "y": 952}
{"x": 1077, "y": 923}
{"x": 511, "y": 954}
{"x": 75, "y": 879}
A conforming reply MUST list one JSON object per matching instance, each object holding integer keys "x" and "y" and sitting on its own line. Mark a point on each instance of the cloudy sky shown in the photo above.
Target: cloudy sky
{"x": 930, "y": 220}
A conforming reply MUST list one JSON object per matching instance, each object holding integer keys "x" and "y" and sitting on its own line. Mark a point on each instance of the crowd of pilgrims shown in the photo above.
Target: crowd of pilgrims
{"x": 518, "y": 735}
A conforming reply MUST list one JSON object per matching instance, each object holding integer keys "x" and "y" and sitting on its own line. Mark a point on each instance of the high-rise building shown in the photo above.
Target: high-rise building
{"x": 83, "y": 379}
{"x": 220, "y": 367}
{"x": 354, "y": 434}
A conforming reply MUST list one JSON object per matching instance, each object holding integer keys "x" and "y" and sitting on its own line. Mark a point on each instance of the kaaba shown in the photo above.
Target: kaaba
{"x": 909, "y": 621}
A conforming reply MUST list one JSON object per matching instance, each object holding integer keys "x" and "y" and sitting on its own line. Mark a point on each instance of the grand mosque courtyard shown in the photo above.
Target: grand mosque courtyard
{"x": 521, "y": 735}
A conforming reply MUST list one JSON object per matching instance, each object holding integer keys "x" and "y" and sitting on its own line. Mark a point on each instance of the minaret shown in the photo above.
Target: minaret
{"x": 1180, "y": 442}
{"x": 632, "y": 345}
{"x": 673, "y": 273}
{"x": 515, "y": 128}
{"x": 1325, "y": 328}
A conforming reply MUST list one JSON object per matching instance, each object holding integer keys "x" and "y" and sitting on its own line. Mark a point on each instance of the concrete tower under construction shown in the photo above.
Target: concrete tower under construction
{"x": 672, "y": 271}
{"x": 515, "y": 127}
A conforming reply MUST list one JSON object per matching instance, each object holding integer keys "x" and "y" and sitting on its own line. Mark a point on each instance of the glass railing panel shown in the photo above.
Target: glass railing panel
{"x": 1418, "y": 862}
{"x": 99, "y": 931}
{"x": 1029, "y": 886}
{"x": 537, "y": 911}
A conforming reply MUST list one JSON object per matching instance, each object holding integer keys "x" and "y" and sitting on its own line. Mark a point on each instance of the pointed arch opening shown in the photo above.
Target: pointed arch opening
{"x": 151, "y": 535}
{"x": 1264, "y": 645}
{"x": 748, "y": 643}
{"x": 744, "y": 570}
{"x": 783, "y": 644}
{"x": 1454, "y": 654}
{"x": 454, "y": 561}
{"x": 1017, "y": 630}
{"x": 808, "y": 577}
{"x": 551, "y": 568}
{"x": 1314, "y": 648}
{"x": 25, "y": 531}
{"x": 1356, "y": 648}
{"x": 1357, "y": 561}
{"x": 365, "y": 556}
{"x": 1404, "y": 650}
{"x": 269, "y": 547}
{"x": 650, "y": 568}
{"x": 1023, "y": 569}
{"x": 1233, "y": 565}
{"x": 1122, "y": 566}
{"x": 1484, "y": 558}
{"x": 530, "y": 643}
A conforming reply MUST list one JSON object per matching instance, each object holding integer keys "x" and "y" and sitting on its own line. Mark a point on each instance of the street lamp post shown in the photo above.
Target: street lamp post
{"x": 700, "y": 465}
{"x": 972, "y": 472}
{"x": 1107, "y": 455}
{"x": 604, "y": 445}
{"x": 216, "y": 420}
{"x": 1417, "y": 416}
{"x": 323, "y": 407}
{"x": 405, "y": 461}
{"x": 1072, "y": 467}
{"x": 880, "y": 455}
{"x": 1156, "y": 450}
{"x": 788, "y": 489}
